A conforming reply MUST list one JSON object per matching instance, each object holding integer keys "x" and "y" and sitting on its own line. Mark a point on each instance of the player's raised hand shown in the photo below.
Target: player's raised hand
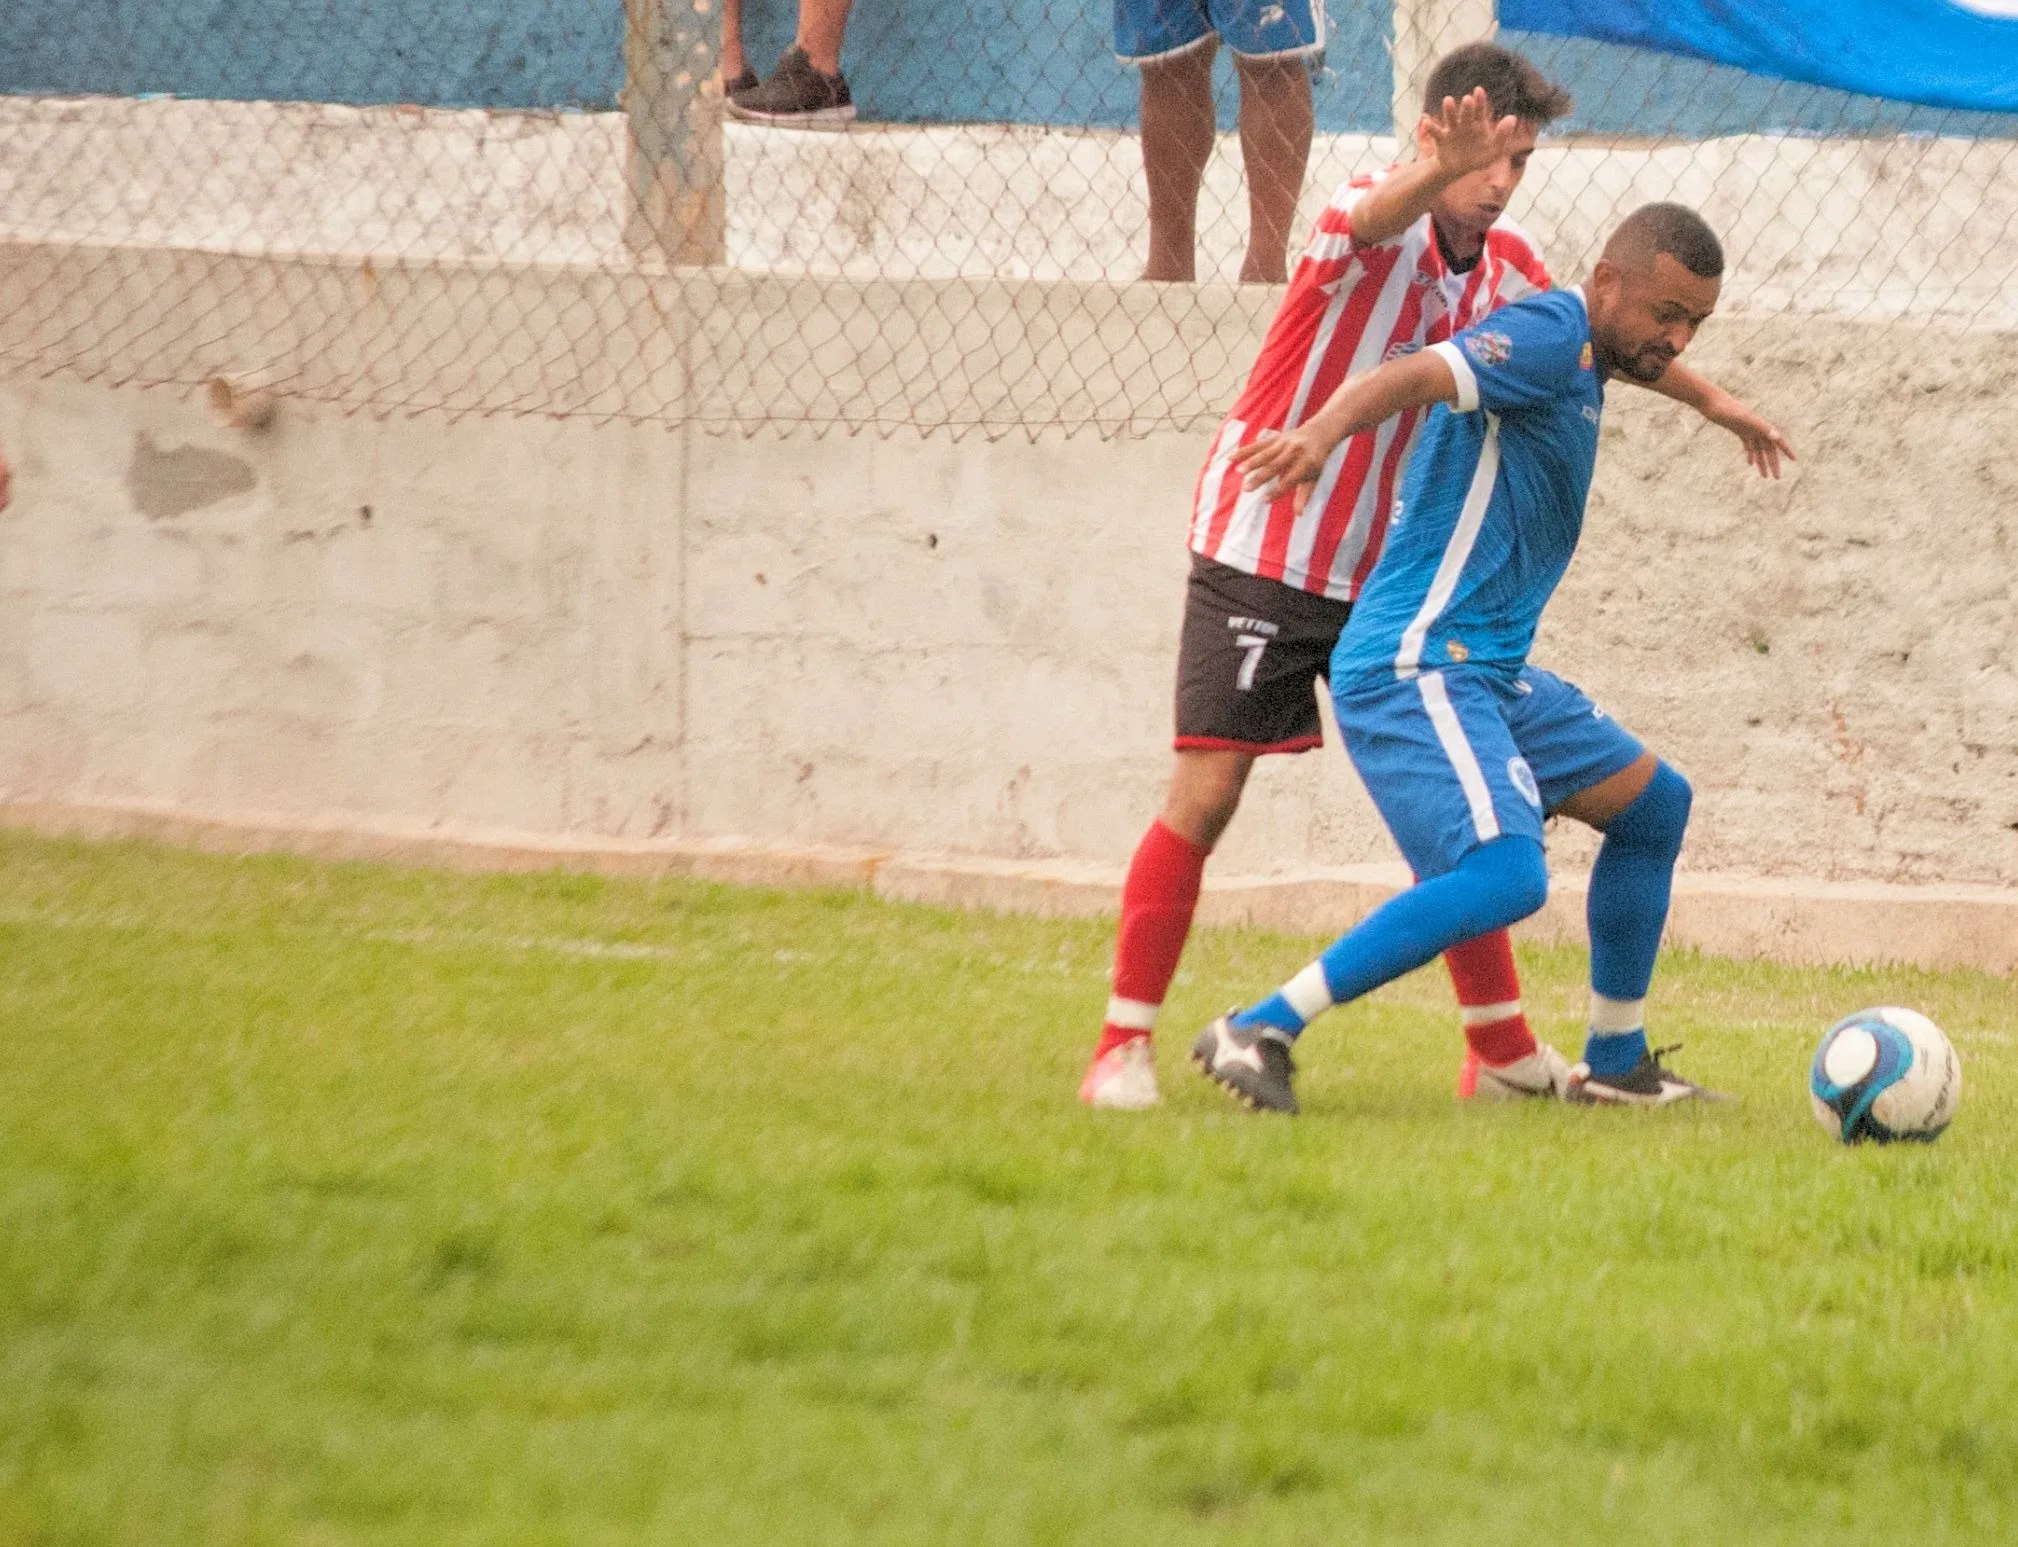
{"x": 1764, "y": 442}
{"x": 1282, "y": 459}
{"x": 1467, "y": 138}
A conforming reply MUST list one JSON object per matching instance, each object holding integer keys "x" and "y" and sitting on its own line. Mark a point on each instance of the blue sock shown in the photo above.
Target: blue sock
{"x": 1616, "y": 1053}
{"x": 1630, "y": 888}
{"x": 1496, "y": 884}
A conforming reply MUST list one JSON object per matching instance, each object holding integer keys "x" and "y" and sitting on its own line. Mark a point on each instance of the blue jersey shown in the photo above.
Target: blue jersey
{"x": 1493, "y": 504}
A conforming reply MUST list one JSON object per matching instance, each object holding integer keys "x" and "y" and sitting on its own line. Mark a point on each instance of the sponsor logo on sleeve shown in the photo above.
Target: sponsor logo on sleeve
{"x": 1489, "y": 349}
{"x": 1584, "y": 359}
{"x": 1524, "y": 780}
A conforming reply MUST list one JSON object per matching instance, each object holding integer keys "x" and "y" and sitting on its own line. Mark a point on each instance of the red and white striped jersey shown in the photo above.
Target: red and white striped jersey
{"x": 1348, "y": 309}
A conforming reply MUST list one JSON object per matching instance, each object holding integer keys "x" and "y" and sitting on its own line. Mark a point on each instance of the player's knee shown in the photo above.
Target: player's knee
{"x": 1659, "y": 815}
{"x": 1212, "y": 815}
{"x": 1204, "y": 794}
{"x": 1516, "y": 874}
{"x": 1527, "y": 886}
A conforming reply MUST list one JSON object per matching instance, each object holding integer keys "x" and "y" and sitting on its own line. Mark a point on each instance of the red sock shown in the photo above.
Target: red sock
{"x": 1489, "y": 996}
{"x": 1157, "y": 903}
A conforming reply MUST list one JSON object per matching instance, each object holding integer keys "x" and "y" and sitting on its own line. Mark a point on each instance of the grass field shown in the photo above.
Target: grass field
{"x": 344, "y": 1205}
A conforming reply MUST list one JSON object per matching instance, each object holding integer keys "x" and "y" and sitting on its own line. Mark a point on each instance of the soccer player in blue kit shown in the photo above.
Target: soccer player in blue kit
{"x": 1466, "y": 748}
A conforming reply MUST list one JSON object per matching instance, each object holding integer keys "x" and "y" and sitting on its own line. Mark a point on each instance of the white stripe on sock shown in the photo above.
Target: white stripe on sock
{"x": 1131, "y": 1014}
{"x": 1308, "y": 993}
{"x": 1487, "y": 1014}
{"x": 1613, "y": 1017}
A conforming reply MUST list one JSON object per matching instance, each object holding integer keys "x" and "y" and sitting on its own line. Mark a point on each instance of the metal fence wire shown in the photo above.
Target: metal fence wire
{"x": 530, "y": 207}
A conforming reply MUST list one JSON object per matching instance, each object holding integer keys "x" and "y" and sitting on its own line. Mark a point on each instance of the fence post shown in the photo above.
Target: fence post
{"x": 1424, "y": 31}
{"x": 673, "y": 106}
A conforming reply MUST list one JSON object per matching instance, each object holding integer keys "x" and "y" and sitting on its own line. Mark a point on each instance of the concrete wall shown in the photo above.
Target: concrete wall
{"x": 546, "y": 627}
{"x": 908, "y": 61}
{"x": 1848, "y": 227}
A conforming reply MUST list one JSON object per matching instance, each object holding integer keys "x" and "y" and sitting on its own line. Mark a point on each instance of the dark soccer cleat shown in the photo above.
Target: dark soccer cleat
{"x": 796, "y": 96}
{"x": 1649, "y": 1083}
{"x": 1254, "y": 1067}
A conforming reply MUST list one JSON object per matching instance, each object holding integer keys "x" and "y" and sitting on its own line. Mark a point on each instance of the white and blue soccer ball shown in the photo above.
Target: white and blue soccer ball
{"x": 1885, "y": 1074}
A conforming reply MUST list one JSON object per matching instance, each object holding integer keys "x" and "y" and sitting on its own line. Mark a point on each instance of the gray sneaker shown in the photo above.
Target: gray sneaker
{"x": 1253, "y": 1065}
{"x": 796, "y": 96}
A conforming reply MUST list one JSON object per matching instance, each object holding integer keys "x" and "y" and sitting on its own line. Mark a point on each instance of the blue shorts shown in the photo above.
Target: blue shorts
{"x": 1458, "y": 757}
{"x": 1147, "y": 30}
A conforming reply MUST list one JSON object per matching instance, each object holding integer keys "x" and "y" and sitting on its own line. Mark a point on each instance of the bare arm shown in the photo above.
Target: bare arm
{"x": 1763, "y": 440}
{"x": 1297, "y": 456}
{"x": 1397, "y": 202}
{"x": 6, "y": 480}
{"x": 1464, "y": 138}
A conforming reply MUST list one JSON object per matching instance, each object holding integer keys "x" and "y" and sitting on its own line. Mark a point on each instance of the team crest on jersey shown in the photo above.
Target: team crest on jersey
{"x": 1584, "y": 359}
{"x": 1488, "y": 349}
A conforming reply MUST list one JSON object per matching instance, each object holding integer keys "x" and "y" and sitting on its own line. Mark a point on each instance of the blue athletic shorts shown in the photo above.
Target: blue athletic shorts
{"x": 1146, "y": 30}
{"x": 1458, "y": 757}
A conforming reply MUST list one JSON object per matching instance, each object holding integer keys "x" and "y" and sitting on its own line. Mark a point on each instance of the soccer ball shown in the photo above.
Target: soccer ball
{"x": 1885, "y": 1074}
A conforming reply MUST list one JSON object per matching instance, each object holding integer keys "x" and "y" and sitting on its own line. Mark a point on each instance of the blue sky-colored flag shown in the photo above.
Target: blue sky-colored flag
{"x": 1946, "y": 53}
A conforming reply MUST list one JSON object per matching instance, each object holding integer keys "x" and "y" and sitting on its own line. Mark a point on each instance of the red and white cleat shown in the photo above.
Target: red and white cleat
{"x": 1123, "y": 1079}
{"x": 1544, "y": 1075}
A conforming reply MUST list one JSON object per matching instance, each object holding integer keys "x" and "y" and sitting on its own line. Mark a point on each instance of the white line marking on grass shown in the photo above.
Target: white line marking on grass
{"x": 426, "y": 939}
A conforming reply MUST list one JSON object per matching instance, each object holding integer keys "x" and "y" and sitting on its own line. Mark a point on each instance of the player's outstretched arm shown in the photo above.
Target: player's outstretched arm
{"x": 1361, "y": 402}
{"x": 1463, "y": 138}
{"x": 1764, "y": 442}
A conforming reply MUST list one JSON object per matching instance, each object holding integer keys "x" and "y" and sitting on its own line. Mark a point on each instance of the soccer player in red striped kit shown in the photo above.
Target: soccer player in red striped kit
{"x": 1397, "y": 262}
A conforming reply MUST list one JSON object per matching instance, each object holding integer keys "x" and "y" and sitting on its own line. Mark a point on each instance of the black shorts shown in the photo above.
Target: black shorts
{"x": 1249, "y": 660}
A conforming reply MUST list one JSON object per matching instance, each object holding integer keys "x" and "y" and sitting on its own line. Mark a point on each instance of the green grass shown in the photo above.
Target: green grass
{"x": 343, "y": 1205}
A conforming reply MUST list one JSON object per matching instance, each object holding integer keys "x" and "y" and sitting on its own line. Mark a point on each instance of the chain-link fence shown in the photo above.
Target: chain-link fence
{"x": 520, "y": 206}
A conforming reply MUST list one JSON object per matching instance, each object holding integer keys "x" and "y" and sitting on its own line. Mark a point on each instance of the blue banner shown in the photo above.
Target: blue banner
{"x": 1945, "y": 53}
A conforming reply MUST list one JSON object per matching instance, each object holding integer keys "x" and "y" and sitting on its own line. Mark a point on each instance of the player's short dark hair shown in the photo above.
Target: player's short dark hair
{"x": 1512, "y": 84}
{"x": 1653, "y": 229}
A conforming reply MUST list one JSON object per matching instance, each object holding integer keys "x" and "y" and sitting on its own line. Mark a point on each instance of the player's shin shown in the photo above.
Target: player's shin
{"x": 1631, "y": 884}
{"x": 1488, "y": 988}
{"x": 1157, "y": 904}
{"x": 1496, "y": 884}
{"x": 1158, "y": 901}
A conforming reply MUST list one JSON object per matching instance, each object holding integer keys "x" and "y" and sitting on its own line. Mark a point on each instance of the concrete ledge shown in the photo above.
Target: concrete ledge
{"x": 1810, "y": 923}
{"x": 731, "y": 860}
{"x": 1048, "y": 888}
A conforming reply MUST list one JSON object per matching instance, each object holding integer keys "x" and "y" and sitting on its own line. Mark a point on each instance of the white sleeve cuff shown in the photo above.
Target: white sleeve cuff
{"x": 1460, "y": 369}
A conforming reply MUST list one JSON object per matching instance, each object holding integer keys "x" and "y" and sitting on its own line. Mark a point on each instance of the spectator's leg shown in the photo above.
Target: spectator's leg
{"x": 733, "y": 62}
{"x": 1176, "y": 144}
{"x": 821, "y": 25}
{"x": 1275, "y": 124}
